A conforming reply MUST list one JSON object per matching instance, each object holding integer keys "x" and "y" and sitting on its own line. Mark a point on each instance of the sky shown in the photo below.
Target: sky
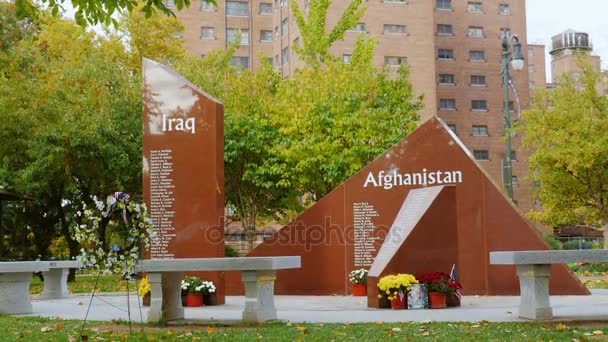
{"x": 546, "y": 18}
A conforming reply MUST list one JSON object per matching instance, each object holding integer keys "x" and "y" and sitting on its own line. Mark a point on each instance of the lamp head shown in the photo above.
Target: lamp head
{"x": 517, "y": 62}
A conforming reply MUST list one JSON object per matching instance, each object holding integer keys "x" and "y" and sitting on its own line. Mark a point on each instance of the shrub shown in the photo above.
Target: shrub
{"x": 553, "y": 242}
{"x": 230, "y": 252}
{"x": 576, "y": 244}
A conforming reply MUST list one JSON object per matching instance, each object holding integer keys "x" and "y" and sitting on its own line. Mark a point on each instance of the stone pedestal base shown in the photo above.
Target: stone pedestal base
{"x": 15, "y": 293}
{"x": 534, "y": 289}
{"x": 259, "y": 296}
{"x": 166, "y": 299}
{"x": 55, "y": 283}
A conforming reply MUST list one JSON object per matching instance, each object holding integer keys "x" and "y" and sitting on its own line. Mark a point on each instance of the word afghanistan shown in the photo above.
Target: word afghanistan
{"x": 391, "y": 179}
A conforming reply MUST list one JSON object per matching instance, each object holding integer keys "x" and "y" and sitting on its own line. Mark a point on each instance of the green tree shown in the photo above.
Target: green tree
{"x": 316, "y": 40}
{"x": 339, "y": 117}
{"x": 565, "y": 131}
{"x": 92, "y": 12}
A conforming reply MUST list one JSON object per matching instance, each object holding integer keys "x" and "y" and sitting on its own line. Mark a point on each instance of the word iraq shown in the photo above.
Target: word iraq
{"x": 179, "y": 124}
{"x": 391, "y": 179}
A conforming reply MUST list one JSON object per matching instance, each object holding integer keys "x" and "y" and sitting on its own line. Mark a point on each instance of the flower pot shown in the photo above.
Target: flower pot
{"x": 209, "y": 299}
{"x": 399, "y": 302}
{"x": 437, "y": 300}
{"x": 146, "y": 300}
{"x": 384, "y": 303}
{"x": 452, "y": 300}
{"x": 194, "y": 299}
{"x": 359, "y": 290}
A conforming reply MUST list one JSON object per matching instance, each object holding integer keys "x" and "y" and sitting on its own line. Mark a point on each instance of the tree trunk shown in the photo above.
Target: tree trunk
{"x": 605, "y": 234}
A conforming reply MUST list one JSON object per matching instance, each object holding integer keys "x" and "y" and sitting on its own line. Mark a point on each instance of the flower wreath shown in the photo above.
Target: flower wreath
{"x": 112, "y": 233}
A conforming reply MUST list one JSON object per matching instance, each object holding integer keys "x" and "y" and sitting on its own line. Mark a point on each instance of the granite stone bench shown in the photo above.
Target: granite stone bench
{"x": 258, "y": 275}
{"x": 15, "y": 280}
{"x": 533, "y": 269}
{"x": 56, "y": 278}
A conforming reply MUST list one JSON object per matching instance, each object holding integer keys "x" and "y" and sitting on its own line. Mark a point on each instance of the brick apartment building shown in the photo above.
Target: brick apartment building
{"x": 453, "y": 48}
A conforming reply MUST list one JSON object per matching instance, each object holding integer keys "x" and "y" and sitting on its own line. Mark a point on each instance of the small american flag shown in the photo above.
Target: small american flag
{"x": 454, "y": 277}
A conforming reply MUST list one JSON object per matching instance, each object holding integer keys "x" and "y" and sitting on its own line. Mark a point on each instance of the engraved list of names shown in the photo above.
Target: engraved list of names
{"x": 162, "y": 200}
{"x": 364, "y": 227}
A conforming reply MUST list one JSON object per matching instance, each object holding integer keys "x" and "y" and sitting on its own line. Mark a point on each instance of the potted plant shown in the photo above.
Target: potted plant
{"x": 144, "y": 291}
{"x": 395, "y": 287}
{"x": 193, "y": 287}
{"x": 208, "y": 290}
{"x": 453, "y": 297}
{"x": 438, "y": 287}
{"x": 358, "y": 278}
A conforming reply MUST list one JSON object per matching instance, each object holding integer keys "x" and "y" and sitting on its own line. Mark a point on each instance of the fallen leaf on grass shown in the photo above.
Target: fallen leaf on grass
{"x": 425, "y": 334}
{"x": 598, "y": 332}
{"x": 71, "y": 338}
{"x": 46, "y": 329}
{"x": 303, "y": 330}
{"x": 560, "y": 327}
{"x": 340, "y": 333}
{"x": 475, "y": 326}
{"x": 210, "y": 330}
{"x": 396, "y": 329}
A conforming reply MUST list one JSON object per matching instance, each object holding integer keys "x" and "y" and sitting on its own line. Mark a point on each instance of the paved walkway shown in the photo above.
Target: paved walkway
{"x": 327, "y": 309}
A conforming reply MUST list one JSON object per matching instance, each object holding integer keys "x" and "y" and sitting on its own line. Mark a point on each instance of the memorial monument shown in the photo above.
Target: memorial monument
{"x": 183, "y": 168}
{"x": 465, "y": 217}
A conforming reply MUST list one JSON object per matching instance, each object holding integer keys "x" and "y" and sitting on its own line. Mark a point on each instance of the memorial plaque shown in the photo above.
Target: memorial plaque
{"x": 471, "y": 217}
{"x": 183, "y": 168}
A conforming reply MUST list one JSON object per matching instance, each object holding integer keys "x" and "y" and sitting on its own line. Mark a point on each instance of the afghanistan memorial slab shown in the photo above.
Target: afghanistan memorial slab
{"x": 183, "y": 168}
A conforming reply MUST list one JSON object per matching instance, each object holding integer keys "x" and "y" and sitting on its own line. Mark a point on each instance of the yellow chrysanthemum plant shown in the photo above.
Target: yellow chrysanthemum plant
{"x": 390, "y": 285}
{"x": 144, "y": 287}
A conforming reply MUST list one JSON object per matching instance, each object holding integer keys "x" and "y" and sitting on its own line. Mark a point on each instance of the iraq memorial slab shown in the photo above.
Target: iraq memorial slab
{"x": 183, "y": 168}
{"x": 458, "y": 218}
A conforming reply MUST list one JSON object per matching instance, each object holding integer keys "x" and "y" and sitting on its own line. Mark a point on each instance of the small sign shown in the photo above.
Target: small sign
{"x": 418, "y": 297}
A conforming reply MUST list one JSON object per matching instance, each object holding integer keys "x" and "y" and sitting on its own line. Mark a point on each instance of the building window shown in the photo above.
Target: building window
{"x": 478, "y": 80}
{"x": 514, "y": 181}
{"x": 283, "y": 3}
{"x": 360, "y": 27}
{"x": 443, "y": 5}
{"x": 530, "y": 68}
{"x": 510, "y": 106}
{"x": 480, "y": 131}
{"x": 479, "y": 105}
{"x": 285, "y": 55}
{"x": 284, "y": 27}
{"x": 207, "y": 6}
{"x": 532, "y": 84}
{"x": 266, "y": 36}
{"x": 240, "y": 61}
{"x": 394, "y": 29}
{"x": 504, "y": 9}
{"x": 207, "y": 33}
{"x": 447, "y": 104}
{"x": 481, "y": 154}
{"x": 476, "y": 31}
{"x": 474, "y": 7}
{"x": 513, "y": 156}
{"x": 276, "y": 32}
{"x": 452, "y": 127}
{"x": 505, "y": 31}
{"x": 530, "y": 52}
{"x": 477, "y": 56}
{"x": 446, "y": 79}
{"x": 269, "y": 60}
{"x": 445, "y": 54}
{"x": 232, "y": 33}
{"x": 265, "y": 8}
{"x": 445, "y": 30}
{"x": 394, "y": 60}
{"x": 276, "y": 4}
{"x": 296, "y": 41}
{"x": 346, "y": 58}
{"x": 237, "y": 8}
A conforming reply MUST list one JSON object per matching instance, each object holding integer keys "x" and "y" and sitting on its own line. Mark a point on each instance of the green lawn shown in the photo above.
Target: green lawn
{"x": 40, "y": 329}
{"x": 84, "y": 284}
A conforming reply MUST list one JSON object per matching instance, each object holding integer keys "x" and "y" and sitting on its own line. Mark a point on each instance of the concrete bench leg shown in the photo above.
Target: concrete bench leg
{"x": 15, "y": 293}
{"x": 165, "y": 300}
{"x": 259, "y": 296}
{"x": 534, "y": 290}
{"x": 55, "y": 283}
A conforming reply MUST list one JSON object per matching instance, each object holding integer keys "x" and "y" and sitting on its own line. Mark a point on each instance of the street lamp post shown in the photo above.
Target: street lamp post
{"x": 516, "y": 60}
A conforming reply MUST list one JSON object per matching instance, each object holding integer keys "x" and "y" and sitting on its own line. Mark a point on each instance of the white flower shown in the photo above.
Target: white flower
{"x": 78, "y": 213}
{"x": 111, "y": 201}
